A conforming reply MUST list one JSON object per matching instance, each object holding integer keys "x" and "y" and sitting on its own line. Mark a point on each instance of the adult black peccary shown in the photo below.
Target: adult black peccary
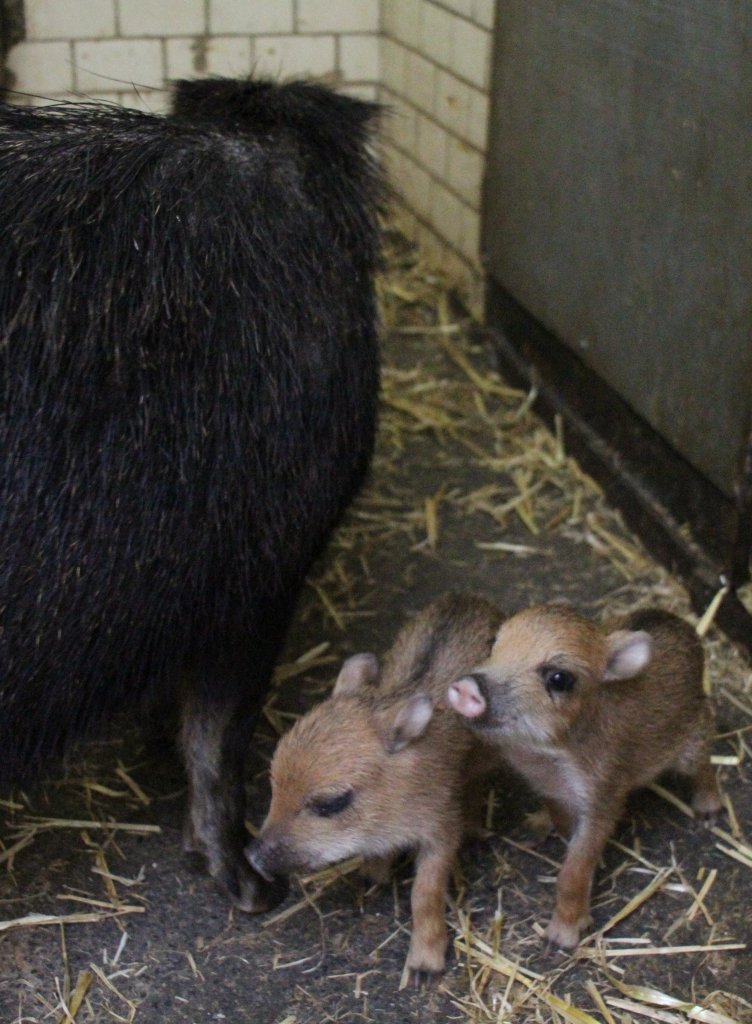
{"x": 189, "y": 373}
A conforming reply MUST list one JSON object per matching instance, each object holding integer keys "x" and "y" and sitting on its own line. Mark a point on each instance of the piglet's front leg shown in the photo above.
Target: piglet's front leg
{"x": 426, "y": 957}
{"x": 572, "y": 912}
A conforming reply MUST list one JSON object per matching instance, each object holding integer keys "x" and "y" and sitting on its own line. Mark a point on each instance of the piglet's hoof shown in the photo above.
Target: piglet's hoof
{"x": 421, "y": 979}
{"x": 539, "y": 826}
{"x": 563, "y": 934}
{"x": 707, "y": 807}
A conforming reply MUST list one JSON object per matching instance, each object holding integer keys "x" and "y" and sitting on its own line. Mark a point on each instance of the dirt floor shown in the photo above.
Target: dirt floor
{"x": 104, "y": 919}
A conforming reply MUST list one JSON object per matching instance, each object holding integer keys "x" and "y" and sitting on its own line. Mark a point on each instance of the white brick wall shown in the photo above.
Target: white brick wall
{"x": 295, "y": 55}
{"x": 359, "y": 57}
{"x": 217, "y": 55}
{"x": 428, "y": 60}
{"x": 101, "y": 62}
{"x": 338, "y": 15}
{"x": 42, "y": 67}
{"x": 103, "y": 48}
{"x": 147, "y": 18}
{"x": 86, "y": 18}
{"x": 251, "y": 18}
{"x": 435, "y": 73}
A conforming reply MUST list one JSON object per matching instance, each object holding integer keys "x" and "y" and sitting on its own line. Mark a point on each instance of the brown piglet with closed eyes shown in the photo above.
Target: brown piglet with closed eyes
{"x": 383, "y": 766}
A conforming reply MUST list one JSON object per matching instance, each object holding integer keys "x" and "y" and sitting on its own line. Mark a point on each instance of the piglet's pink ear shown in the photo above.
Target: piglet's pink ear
{"x": 401, "y": 725}
{"x": 357, "y": 672}
{"x": 628, "y": 653}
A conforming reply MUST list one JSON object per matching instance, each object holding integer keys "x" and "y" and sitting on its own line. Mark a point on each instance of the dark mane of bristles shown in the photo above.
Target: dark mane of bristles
{"x": 332, "y": 122}
{"x": 179, "y": 313}
{"x": 332, "y": 129}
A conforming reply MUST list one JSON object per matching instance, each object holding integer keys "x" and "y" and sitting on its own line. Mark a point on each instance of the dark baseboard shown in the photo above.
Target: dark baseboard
{"x": 684, "y": 520}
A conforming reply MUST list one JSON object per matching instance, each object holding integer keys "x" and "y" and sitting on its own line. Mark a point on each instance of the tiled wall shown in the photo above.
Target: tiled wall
{"x": 435, "y": 71}
{"x": 428, "y": 60}
{"x": 125, "y": 50}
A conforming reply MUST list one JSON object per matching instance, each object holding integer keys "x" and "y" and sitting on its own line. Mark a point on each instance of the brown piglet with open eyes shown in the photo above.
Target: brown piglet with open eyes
{"x": 382, "y": 766}
{"x": 587, "y": 713}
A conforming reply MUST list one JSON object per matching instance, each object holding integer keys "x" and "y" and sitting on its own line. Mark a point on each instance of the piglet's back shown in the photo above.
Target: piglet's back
{"x": 644, "y": 721}
{"x": 675, "y": 672}
{"x": 442, "y": 642}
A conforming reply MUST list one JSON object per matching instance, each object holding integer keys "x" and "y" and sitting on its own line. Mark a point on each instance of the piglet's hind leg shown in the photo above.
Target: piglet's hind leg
{"x": 377, "y": 869}
{"x": 694, "y": 762}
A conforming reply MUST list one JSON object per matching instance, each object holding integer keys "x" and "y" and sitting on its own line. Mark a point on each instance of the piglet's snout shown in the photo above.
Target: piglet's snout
{"x": 467, "y": 695}
{"x": 263, "y": 856}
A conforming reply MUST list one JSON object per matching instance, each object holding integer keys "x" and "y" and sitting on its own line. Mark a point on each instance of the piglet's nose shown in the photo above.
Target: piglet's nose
{"x": 255, "y": 854}
{"x": 466, "y": 696}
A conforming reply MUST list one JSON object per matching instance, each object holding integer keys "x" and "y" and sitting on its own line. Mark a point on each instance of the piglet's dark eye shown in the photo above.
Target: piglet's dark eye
{"x": 330, "y": 806}
{"x": 558, "y": 680}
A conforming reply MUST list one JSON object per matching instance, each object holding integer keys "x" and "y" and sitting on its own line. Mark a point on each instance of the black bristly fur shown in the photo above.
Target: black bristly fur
{"x": 189, "y": 375}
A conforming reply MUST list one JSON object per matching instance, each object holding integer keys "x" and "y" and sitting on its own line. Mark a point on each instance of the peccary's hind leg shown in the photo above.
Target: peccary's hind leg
{"x": 215, "y": 738}
{"x": 219, "y": 712}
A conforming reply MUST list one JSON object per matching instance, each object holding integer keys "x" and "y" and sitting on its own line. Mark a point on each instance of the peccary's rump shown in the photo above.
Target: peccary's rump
{"x": 189, "y": 373}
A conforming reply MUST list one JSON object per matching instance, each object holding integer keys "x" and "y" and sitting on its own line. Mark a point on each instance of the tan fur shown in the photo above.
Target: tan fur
{"x": 636, "y": 709}
{"x": 408, "y": 761}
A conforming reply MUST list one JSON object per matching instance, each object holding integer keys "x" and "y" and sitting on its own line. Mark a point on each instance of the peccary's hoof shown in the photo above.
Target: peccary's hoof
{"x": 250, "y": 892}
